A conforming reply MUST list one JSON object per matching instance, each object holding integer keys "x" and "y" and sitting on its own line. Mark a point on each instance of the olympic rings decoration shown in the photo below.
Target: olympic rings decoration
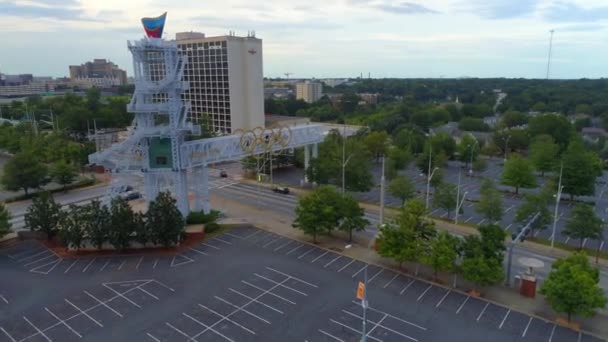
{"x": 268, "y": 138}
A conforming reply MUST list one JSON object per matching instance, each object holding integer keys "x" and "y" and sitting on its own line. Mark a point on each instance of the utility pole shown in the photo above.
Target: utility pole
{"x": 459, "y": 202}
{"x": 558, "y": 196}
{"x": 382, "y": 195}
{"x": 343, "y": 156}
{"x": 364, "y": 305}
{"x": 506, "y": 145}
{"x": 517, "y": 238}
{"x": 550, "y": 50}
{"x": 429, "y": 177}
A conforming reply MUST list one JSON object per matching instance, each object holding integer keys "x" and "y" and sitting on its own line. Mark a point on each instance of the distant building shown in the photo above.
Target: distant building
{"x": 369, "y": 98}
{"x": 593, "y": 134}
{"x": 309, "y": 91}
{"x": 99, "y": 73}
{"x": 24, "y": 85}
{"x": 225, "y": 75}
{"x": 334, "y": 82}
{"x": 277, "y": 93}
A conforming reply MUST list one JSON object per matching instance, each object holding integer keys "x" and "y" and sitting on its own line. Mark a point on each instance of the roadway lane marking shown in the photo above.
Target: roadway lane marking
{"x": 526, "y": 329}
{"x": 83, "y": 312}
{"x": 423, "y": 293}
{"x": 242, "y": 309}
{"x": 194, "y": 250}
{"x": 70, "y": 267}
{"x": 407, "y": 286}
{"x": 504, "y": 319}
{"x": 331, "y": 262}
{"x": 294, "y": 249}
{"x": 103, "y": 304}
{"x": 227, "y": 319}
{"x": 345, "y": 266}
{"x": 390, "y": 281}
{"x": 462, "y": 305}
{"x": 62, "y": 322}
{"x": 359, "y": 271}
{"x": 375, "y": 275}
{"x": 89, "y": 264}
{"x": 444, "y": 296}
{"x": 329, "y": 335}
{"x": 283, "y": 245}
{"x": 38, "y": 330}
{"x": 552, "y": 332}
{"x": 317, "y": 258}
{"x": 482, "y": 311}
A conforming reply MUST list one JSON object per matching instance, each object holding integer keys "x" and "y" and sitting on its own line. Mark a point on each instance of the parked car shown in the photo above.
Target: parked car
{"x": 223, "y": 174}
{"x": 281, "y": 190}
{"x": 130, "y": 195}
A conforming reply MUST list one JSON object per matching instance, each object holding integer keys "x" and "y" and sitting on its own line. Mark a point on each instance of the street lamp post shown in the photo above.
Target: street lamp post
{"x": 558, "y": 196}
{"x": 459, "y": 202}
{"x": 382, "y": 194}
{"x": 344, "y": 159}
{"x": 364, "y": 305}
{"x": 506, "y": 145}
{"x": 471, "y": 158}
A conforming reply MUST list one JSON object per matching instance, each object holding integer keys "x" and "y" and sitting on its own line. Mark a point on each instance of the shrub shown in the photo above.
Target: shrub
{"x": 212, "y": 227}
{"x": 199, "y": 217}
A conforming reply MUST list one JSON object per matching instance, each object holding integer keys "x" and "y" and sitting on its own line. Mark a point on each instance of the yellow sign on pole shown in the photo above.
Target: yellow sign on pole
{"x": 361, "y": 291}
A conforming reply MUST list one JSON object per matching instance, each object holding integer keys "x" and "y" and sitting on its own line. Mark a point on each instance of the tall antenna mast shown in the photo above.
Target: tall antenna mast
{"x": 549, "y": 58}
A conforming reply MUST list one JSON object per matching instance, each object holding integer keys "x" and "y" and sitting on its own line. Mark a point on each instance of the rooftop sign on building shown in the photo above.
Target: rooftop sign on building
{"x": 154, "y": 26}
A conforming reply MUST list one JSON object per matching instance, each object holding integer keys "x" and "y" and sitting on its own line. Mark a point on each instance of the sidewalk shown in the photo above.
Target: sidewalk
{"x": 500, "y": 295}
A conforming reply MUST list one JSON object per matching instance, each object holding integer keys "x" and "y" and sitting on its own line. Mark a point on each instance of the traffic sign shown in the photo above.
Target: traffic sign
{"x": 361, "y": 291}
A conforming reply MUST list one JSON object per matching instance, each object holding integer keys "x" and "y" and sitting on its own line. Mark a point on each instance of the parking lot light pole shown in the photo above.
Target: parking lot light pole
{"x": 558, "y": 196}
{"x": 519, "y": 238}
{"x": 364, "y": 305}
{"x": 471, "y": 160}
{"x": 506, "y": 145}
{"x": 344, "y": 159}
{"x": 382, "y": 195}
{"x": 428, "y": 186}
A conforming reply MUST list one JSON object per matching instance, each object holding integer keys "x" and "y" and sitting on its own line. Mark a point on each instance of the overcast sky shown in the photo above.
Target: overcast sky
{"x": 328, "y": 38}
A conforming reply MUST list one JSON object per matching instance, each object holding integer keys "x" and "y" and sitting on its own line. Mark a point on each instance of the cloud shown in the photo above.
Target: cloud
{"x": 270, "y": 24}
{"x": 581, "y": 28}
{"x": 500, "y": 9}
{"x": 395, "y": 7}
{"x": 64, "y": 10}
{"x": 570, "y": 12}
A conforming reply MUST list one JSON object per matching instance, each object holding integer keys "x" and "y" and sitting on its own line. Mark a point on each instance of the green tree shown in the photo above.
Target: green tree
{"x": 513, "y": 118}
{"x": 579, "y": 170}
{"x": 482, "y": 271}
{"x": 377, "y": 143}
{"x": 444, "y": 143}
{"x": 352, "y": 216}
{"x": 71, "y": 232}
{"x": 443, "y": 252}
{"x": 468, "y": 149}
{"x": 445, "y": 197}
{"x": 493, "y": 241}
{"x": 164, "y": 221}
{"x": 24, "y": 171}
{"x": 518, "y": 173}
{"x": 480, "y": 165}
{"x": 402, "y": 188}
{"x": 438, "y": 159}
{"x": 143, "y": 235}
{"x": 543, "y": 153}
{"x": 63, "y": 173}
{"x": 584, "y": 224}
{"x": 490, "y": 202}
{"x": 97, "y": 226}
{"x": 122, "y": 223}
{"x": 401, "y": 157}
{"x": 532, "y": 204}
{"x": 5, "y": 216}
{"x": 555, "y": 125}
{"x": 43, "y": 215}
{"x": 318, "y": 212}
{"x": 572, "y": 287}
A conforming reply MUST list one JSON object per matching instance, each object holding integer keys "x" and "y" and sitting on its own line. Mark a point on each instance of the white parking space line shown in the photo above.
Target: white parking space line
{"x": 281, "y": 284}
{"x": 3, "y": 299}
{"x": 70, "y": 267}
{"x": 63, "y": 322}
{"x": 254, "y": 300}
{"x": 331, "y": 262}
{"x": 103, "y": 304}
{"x": 345, "y": 266}
{"x": 104, "y": 265}
{"x": 482, "y": 221}
{"x": 228, "y": 319}
{"x": 509, "y": 208}
{"x": 423, "y": 293}
{"x": 509, "y": 226}
{"x": 242, "y": 309}
{"x": 155, "y": 263}
{"x": 442, "y": 298}
{"x": 330, "y": 335}
{"x": 462, "y": 305}
{"x": 469, "y": 219}
{"x": 271, "y": 242}
{"x": 270, "y": 293}
{"x": 359, "y": 271}
{"x": 602, "y": 245}
{"x": 88, "y": 265}
{"x": 406, "y": 287}
{"x": 482, "y": 311}
{"x": 283, "y": 245}
{"x": 317, "y": 258}
{"x": 433, "y": 212}
{"x": 122, "y": 264}
{"x": 55, "y": 262}
{"x": 223, "y": 241}
{"x": 393, "y": 317}
{"x": 552, "y": 332}
{"x": 523, "y": 334}
{"x": 38, "y": 260}
{"x": 32, "y": 256}
{"x": 122, "y": 296}
{"x": 234, "y": 236}
{"x": 379, "y": 323}
{"x": 190, "y": 338}
{"x": 192, "y": 249}
{"x": 83, "y": 312}
{"x": 390, "y": 281}
{"x": 504, "y": 319}
{"x": 211, "y": 246}
{"x": 154, "y": 338}
{"x": 294, "y": 249}
{"x": 38, "y": 330}
{"x": 252, "y": 234}
{"x": 8, "y": 335}
{"x": 374, "y": 276}
{"x": 353, "y": 329}
{"x": 306, "y": 253}
{"x": 147, "y": 292}
{"x": 139, "y": 263}
{"x": 207, "y": 327}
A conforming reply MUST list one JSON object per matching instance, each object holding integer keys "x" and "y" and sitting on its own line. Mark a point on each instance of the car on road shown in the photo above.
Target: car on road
{"x": 281, "y": 190}
{"x": 130, "y": 195}
{"x": 223, "y": 174}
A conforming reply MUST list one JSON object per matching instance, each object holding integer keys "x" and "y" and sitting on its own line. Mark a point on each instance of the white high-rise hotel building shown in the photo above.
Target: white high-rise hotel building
{"x": 226, "y": 80}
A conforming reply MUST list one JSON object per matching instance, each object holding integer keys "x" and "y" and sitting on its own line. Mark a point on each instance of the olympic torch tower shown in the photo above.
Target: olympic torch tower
{"x": 160, "y": 114}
